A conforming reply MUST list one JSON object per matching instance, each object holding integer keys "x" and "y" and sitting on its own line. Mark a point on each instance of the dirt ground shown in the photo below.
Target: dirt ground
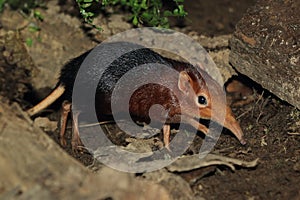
{"x": 271, "y": 126}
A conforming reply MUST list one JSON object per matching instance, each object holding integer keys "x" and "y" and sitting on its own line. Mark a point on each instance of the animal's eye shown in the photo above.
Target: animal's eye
{"x": 202, "y": 100}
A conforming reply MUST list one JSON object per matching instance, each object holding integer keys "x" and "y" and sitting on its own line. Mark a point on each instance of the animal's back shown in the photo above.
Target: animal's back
{"x": 112, "y": 73}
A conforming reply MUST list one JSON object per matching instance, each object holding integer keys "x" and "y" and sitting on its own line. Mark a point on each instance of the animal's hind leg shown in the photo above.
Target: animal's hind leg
{"x": 166, "y": 134}
{"x": 76, "y": 141}
{"x": 66, "y": 108}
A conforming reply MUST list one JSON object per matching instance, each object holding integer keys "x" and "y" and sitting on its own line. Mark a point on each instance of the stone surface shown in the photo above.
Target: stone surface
{"x": 16, "y": 66}
{"x": 33, "y": 166}
{"x": 265, "y": 47}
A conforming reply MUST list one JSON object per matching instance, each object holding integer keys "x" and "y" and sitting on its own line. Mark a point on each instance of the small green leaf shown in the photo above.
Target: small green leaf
{"x": 144, "y": 4}
{"x": 33, "y": 27}
{"x": 168, "y": 13}
{"x": 29, "y": 42}
{"x": 135, "y": 21}
{"x": 85, "y": 5}
{"x": 181, "y": 10}
{"x": 175, "y": 11}
{"x": 38, "y": 15}
{"x": 146, "y": 16}
{"x": 90, "y": 14}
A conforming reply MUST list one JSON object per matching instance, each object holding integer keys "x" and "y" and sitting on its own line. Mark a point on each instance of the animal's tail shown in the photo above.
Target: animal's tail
{"x": 53, "y": 96}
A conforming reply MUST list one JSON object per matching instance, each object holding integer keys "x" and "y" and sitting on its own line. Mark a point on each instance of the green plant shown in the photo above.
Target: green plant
{"x": 148, "y": 12}
{"x": 27, "y": 8}
{"x": 2, "y": 2}
{"x": 25, "y": 5}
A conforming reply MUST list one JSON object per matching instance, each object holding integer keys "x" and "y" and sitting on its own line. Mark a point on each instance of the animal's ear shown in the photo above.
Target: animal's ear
{"x": 184, "y": 81}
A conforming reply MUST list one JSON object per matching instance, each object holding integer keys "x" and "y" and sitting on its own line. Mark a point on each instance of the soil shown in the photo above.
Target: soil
{"x": 271, "y": 126}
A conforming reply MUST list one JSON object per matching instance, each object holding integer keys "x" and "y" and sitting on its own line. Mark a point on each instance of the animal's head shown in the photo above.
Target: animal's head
{"x": 200, "y": 91}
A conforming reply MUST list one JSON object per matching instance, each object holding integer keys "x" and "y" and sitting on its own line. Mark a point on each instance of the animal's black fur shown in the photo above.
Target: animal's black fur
{"x": 117, "y": 69}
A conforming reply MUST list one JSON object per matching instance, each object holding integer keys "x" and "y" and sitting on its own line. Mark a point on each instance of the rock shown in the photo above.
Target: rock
{"x": 17, "y": 68}
{"x": 50, "y": 49}
{"x": 179, "y": 188}
{"x": 265, "y": 47}
{"x": 45, "y": 123}
{"x": 33, "y": 166}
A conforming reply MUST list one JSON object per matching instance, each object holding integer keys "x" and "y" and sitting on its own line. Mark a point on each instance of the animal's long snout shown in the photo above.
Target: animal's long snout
{"x": 229, "y": 122}
{"x": 233, "y": 125}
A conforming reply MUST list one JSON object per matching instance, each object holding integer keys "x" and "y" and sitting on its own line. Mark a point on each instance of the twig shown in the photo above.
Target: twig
{"x": 95, "y": 124}
{"x": 295, "y": 133}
